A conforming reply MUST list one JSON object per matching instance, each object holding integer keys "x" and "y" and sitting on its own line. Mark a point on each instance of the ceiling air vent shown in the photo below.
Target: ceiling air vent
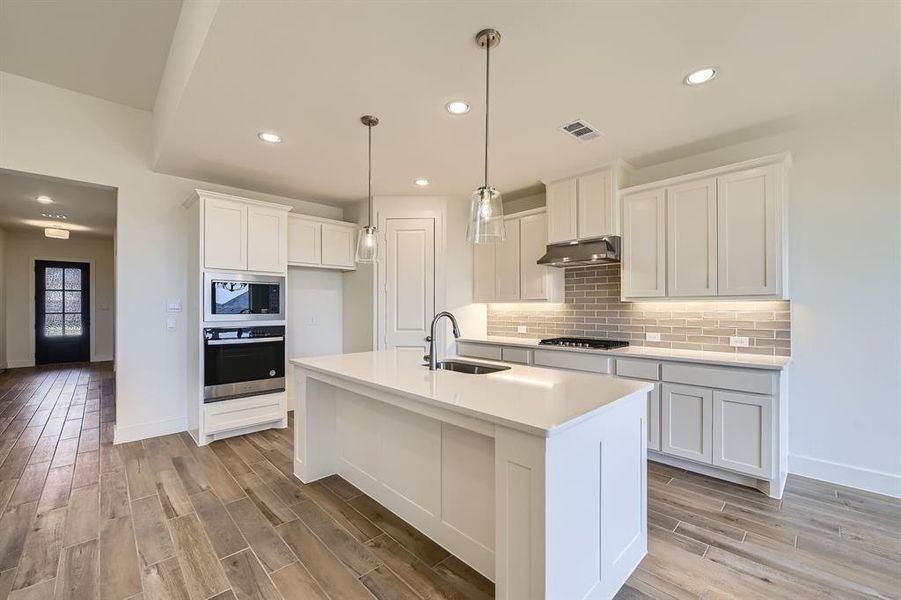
{"x": 581, "y": 130}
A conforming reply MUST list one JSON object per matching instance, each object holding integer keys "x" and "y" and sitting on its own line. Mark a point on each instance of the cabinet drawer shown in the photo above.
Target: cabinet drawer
{"x": 516, "y": 355}
{"x": 244, "y": 412}
{"x": 742, "y": 380}
{"x": 640, "y": 369}
{"x": 572, "y": 360}
{"x": 479, "y": 351}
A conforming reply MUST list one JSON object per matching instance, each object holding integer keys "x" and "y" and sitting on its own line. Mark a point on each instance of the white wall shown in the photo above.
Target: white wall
{"x": 50, "y": 131}
{"x": 22, "y": 249}
{"x": 315, "y": 301}
{"x": 358, "y": 291}
{"x": 524, "y": 203}
{"x": 845, "y": 286}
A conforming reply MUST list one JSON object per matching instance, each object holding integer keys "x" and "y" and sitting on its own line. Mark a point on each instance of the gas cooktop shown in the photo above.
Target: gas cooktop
{"x": 576, "y": 342}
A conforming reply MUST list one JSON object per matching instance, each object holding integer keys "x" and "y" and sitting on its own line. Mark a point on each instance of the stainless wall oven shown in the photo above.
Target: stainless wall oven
{"x": 242, "y": 361}
{"x": 243, "y": 297}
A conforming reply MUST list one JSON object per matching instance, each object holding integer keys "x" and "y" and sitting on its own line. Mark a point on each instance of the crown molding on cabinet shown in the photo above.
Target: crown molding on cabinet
{"x": 783, "y": 158}
{"x": 196, "y": 194}
{"x": 619, "y": 164}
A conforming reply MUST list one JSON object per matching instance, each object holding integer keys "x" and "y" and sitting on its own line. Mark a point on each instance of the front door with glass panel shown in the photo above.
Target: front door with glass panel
{"x": 62, "y": 330}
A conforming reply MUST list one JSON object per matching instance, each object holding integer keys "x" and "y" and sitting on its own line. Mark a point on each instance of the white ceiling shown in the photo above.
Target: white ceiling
{"x": 90, "y": 209}
{"x": 309, "y": 70}
{"x": 114, "y": 50}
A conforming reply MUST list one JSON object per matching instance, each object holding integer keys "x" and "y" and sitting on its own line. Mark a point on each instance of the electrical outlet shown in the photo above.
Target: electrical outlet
{"x": 520, "y": 329}
{"x": 653, "y": 337}
{"x": 739, "y": 341}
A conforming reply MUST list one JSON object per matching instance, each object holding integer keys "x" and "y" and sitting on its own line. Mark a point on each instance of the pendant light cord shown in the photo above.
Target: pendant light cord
{"x": 370, "y": 174}
{"x": 487, "y": 89}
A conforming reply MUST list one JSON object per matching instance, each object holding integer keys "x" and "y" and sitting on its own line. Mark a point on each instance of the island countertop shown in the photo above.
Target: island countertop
{"x": 539, "y": 401}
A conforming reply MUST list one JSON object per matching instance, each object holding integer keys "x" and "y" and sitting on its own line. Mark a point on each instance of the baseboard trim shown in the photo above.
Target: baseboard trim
{"x": 870, "y": 480}
{"x": 141, "y": 431}
{"x": 103, "y": 358}
{"x": 19, "y": 363}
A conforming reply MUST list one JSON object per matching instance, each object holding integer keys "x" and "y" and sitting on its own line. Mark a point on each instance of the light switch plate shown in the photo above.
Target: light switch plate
{"x": 653, "y": 337}
{"x": 739, "y": 341}
{"x": 171, "y": 323}
{"x": 173, "y": 306}
{"x": 520, "y": 329}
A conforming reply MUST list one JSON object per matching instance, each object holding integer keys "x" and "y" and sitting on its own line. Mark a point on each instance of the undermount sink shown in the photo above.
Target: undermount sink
{"x": 467, "y": 367}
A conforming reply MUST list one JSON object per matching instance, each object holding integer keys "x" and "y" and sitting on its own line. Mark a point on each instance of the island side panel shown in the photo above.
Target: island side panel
{"x": 315, "y": 451}
{"x": 572, "y": 508}
{"x": 434, "y": 474}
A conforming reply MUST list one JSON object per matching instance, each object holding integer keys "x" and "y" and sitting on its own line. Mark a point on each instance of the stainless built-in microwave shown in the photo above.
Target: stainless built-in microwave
{"x": 242, "y": 297}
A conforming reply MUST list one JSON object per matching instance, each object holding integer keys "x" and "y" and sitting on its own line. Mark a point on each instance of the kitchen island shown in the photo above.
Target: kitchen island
{"x": 534, "y": 477}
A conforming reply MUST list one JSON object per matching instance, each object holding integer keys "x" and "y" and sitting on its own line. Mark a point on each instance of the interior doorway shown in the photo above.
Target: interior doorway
{"x": 57, "y": 270}
{"x": 62, "y": 331}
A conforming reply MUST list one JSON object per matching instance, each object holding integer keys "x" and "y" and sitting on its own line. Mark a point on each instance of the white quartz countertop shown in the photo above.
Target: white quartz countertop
{"x": 535, "y": 400}
{"x": 753, "y": 361}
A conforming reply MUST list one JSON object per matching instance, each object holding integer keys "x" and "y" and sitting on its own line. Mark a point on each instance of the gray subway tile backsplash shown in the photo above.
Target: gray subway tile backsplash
{"x": 592, "y": 308}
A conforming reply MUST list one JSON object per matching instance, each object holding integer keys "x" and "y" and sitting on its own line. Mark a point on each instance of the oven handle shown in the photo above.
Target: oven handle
{"x": 244, "y": 341}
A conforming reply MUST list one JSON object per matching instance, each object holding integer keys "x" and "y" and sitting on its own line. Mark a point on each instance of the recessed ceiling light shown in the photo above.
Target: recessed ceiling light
{"x": 422, "y": 182}
{"x": 44, "y": 199}
{"x": 270, "y": 137}
{"x": 700, "y": 76}
{"x": 458, "y": 107}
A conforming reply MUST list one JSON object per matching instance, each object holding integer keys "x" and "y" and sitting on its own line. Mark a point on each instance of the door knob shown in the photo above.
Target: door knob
{"x": 428, "y": 338}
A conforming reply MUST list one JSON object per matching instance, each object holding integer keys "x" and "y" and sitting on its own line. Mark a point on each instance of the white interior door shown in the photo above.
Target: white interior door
{"x": 409, "y": 282}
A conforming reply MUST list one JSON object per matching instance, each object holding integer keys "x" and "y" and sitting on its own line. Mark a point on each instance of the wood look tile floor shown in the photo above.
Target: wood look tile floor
{"x": 83, "y": 519}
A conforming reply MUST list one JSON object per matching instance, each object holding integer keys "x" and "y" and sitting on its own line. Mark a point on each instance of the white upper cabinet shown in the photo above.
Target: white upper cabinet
{"x": 267, "y": 239}
{"x": 507, "y": 264}
{"x": 483, "y": 270}
{"x": 644, "y": 239}
{"x": 585, "y": 206}
{"x": 597, "y": 205}
{"x": 304, "y": 241}
{"x": 240, "y": 234}
{"x": 224, "y": 234}
{"x": 532, "y": 246}
{"x": 338, "y": 245}
{"x": 321, "y": 243}
{"x": 508, "y": 272}
{"x": 749, "y": 221}
{"x": 724, "y": 234}
{"x": 691, "y": 238}
{"x": 562, "y": 211}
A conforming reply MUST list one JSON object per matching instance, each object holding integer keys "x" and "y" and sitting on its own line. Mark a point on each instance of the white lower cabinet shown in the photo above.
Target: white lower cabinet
{"x": 723, "y": 421}
{"x": 742, "y": 432}
{"x": 687, "y": 422}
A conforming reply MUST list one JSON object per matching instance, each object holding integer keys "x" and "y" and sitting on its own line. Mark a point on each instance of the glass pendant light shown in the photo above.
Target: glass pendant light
{"x": 367, "y": 239}
{"x": 486, "y": 213}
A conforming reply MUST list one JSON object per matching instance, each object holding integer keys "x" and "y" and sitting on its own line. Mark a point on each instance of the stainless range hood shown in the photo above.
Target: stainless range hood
{"x": 588, "y": 252}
